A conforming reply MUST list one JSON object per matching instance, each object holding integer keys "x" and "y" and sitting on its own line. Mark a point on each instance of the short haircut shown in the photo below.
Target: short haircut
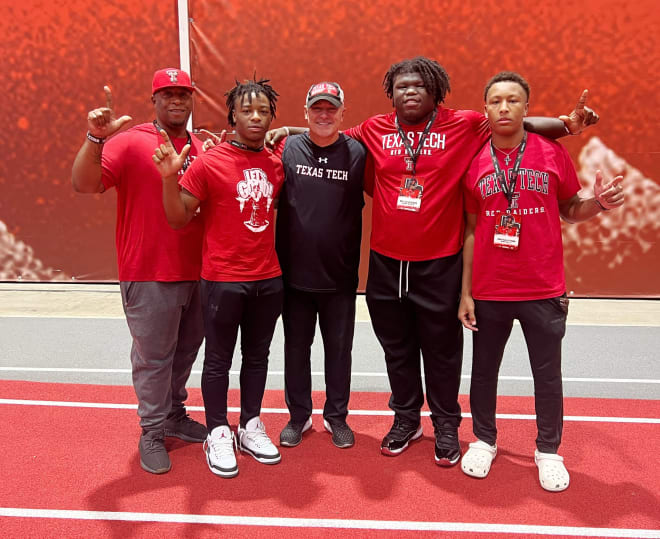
{"x": 436, "y": 80}
{"x": 248, "y": 88}
{"x": 507, "y": 76}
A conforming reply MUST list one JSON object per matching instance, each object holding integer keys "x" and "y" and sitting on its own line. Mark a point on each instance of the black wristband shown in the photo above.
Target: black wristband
{"x": 600, "y": 205}
{"x": 94, "y": 139}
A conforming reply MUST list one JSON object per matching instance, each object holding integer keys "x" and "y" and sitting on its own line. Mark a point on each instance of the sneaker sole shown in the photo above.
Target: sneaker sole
{"x": 345, "y": 445}
{"x": 447, "y": 463}
{"x": 184, "y": 437}
{"x": 154, "y": 470}
{"x": 226, "y": 473}
{"x": 394, "y": 452}
{"x": 264, "y": 459}
{"x": 306, "y": 427}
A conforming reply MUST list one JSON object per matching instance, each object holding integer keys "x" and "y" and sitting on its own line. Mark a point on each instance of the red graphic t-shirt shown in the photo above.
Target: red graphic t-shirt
{"x": 536, "y": 269}
{"x": 435, "y": 229}
{"x": 237, "y": 189}
{"x": 148, "y": 249}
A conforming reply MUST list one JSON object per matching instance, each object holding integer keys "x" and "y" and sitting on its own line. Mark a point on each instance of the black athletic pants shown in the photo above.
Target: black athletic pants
{"x": 413, "y": 308}
{"x": 543, "y": 323}
{"x": 254, "y": 306}
{"x": 336, "y": 316}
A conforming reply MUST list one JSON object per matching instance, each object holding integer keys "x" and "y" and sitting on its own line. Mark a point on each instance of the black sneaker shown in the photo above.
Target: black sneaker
{"x": 447, "y": 448}
{"x": 184, "y": 427}
{"x": 399, "y": 436}
{"x": 153, "y": 455}
{"x": 291, "y": 435}
{"x": 342, "y": 435}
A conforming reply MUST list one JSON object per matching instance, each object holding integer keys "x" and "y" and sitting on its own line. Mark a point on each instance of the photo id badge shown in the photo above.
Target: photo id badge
{"x": 410, "y": 194}
{"x": 507, "y": 231}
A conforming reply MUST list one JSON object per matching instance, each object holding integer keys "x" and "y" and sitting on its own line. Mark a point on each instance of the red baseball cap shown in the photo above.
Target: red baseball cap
{"x": 171, "y": 77}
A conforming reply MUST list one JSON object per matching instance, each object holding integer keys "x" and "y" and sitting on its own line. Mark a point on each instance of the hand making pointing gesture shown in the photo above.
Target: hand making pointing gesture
{"x": 102, "y": 122}
{"x": 581, "y": 116}
{"x": 168, "y": 161}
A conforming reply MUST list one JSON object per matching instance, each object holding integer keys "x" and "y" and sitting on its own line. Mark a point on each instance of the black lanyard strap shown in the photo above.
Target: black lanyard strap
{"x": 415, "y": 154}
{"x": 508, "y": 188}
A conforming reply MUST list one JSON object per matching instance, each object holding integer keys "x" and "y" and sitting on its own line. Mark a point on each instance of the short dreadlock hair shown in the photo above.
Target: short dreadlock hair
{"x": 248, "y": 88}
{"x": 436, "y": 80}
{"x": 507, "y": 76}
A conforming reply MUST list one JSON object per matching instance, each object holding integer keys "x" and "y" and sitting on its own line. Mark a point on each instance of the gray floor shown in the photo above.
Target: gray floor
{"x": 598, "y": 361}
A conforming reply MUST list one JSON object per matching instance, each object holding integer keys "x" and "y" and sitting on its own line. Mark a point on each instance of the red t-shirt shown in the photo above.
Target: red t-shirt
{"x": 536, "y": 269}
{"x": 148, "y": 249}
{"x": 437, "y": 229}
{"x": 237, "y": 189}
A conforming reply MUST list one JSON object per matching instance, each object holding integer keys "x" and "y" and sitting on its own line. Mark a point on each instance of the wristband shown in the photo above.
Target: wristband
{"x": 600, "y": 205}
{"x": 287, "y": 130}
{"x": 94, "y": 139}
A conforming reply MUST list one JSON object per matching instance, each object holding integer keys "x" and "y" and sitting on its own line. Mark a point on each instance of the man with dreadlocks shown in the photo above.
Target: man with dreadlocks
{"x": 234, "y": 185}
{"x": 414, "y": 279}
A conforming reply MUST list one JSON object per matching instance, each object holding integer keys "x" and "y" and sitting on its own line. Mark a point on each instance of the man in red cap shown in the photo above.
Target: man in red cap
{"x": 159, "y": 267}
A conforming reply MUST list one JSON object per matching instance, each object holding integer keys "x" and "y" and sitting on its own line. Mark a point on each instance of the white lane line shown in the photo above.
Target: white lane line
{"x": 358, "y": 374}
{"x": 409, "y": 525}
{"x": 319, "y": 411}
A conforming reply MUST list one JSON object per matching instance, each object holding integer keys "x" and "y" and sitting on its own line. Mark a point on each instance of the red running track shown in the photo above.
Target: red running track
{"x": 60, "y": 458}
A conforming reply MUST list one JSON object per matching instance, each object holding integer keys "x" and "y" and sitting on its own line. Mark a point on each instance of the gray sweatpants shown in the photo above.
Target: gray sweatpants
{"x": 165, "y": 321}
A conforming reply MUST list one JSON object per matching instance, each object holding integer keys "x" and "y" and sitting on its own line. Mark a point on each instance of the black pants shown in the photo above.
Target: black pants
{"x": 543, "y": 323}
{"x": 253, "y": 306}
{"x": 413, "y": 308}
{"x": 336, "y": 315}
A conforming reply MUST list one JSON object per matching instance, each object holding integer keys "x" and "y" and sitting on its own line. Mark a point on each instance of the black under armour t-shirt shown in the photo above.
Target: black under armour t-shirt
{"x": 319, "y": 217}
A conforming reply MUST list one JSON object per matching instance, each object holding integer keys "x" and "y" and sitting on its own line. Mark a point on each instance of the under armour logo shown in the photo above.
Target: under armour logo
{"x": 173, "y": 74}
{"x": 323, "y": 159}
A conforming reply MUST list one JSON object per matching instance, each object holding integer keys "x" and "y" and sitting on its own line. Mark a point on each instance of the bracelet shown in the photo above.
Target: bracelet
{"x": 600, "y": 205}
{"x": 287, "y": 130}
{"x": 94, "y": 139}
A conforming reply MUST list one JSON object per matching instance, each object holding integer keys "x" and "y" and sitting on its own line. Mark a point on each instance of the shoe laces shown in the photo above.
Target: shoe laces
{"x": 223, "y": 445}
{"x": 446, "y": 436}
{"x": 401, "y": 427}
{"x": 257, "y": 436}
{"x": 154, "y": 442}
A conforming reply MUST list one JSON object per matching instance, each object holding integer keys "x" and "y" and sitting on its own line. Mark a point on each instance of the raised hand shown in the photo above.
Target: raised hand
{"x": 609, "y": 194}
{"x": 581, "y": 117}
{"x": 213, "y": 139}
{"x": 102, "y": 122}
{"x": 167, "y": 160}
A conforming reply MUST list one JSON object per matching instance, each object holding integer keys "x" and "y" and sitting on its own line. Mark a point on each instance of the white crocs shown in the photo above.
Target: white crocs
{"x": 553, "y": 475}
{"x": 476, "y": 462}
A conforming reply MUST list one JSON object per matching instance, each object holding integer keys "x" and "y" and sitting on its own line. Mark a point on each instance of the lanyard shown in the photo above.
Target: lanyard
{"x": 242, "y": 146}
{"x": 414, "y": 155}
{"x": 186, "y": 163}
{"x": 508, "y": 188}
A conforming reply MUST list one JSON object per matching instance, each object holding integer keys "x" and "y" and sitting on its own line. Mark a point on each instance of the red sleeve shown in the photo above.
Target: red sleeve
{"x": 279, "y": 147}
{"x": 194, "y": 180}
{"x": 470, "y": 204}
{"x": 480, "y": 126}
{"x": 356, "y": 132}
{"x": 113, "y": 159}
{"x": 569, "y": 184}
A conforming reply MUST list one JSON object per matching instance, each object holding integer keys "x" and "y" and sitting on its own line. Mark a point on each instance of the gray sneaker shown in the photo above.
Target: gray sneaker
{"x": 184, "y": 427}
{"x": 292, "y": 434}
{"x": 342, "y": 435}
{"x": 153, "y": 455}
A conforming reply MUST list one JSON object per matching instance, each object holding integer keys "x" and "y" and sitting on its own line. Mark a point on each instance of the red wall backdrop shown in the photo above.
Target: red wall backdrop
{"x": 59, "y": 58}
